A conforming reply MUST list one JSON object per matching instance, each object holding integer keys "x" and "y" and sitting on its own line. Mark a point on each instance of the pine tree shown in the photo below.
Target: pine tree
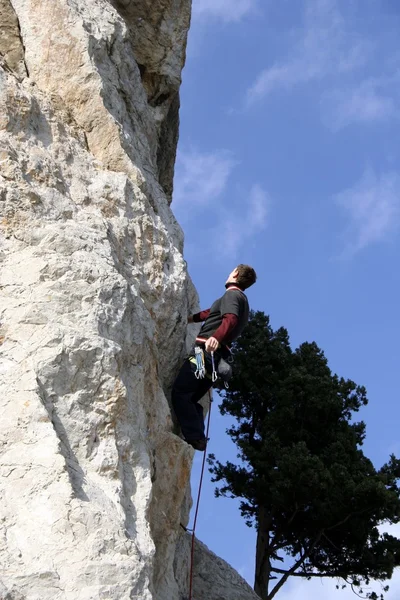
{"x": 303, "y": 479}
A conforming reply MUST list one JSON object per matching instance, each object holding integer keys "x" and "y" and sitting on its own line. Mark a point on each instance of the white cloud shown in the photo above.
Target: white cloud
{"x": 373, "y": 208}
{"x": 225, "y": 10}
{"x": 375, "y": 99}
{"x": 248, "y": 221}
{"x": 392, "y": 529}
{"x": 325, "y": 47}
{"x": 200, "y": 178}
{"x": 259, "y": 207}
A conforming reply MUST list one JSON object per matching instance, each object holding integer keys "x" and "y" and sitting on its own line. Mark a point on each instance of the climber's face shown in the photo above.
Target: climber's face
{"x": 232, "y": 277}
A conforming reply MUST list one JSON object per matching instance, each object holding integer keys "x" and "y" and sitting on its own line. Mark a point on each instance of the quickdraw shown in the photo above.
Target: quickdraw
{"x": 214, "y": 375}
{"x": 200, "y": 372}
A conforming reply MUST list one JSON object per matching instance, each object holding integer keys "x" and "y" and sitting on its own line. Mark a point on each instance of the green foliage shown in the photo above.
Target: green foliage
{"x": 303, "y": 479}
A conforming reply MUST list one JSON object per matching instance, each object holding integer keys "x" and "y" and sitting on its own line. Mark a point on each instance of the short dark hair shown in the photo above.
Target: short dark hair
{"x": 246, "y": 276}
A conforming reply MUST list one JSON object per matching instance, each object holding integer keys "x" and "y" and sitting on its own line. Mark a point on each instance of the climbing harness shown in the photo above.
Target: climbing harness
{"x": 193, "y": 531}
{"x": 200, "y": 372}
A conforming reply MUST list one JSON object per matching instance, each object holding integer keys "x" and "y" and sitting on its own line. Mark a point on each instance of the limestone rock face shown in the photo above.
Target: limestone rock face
{"x": 213, "y": 578}
{"x": 94, "y": 298}
{"x": 11, "y": 49}
{"x": 158, "y": 32}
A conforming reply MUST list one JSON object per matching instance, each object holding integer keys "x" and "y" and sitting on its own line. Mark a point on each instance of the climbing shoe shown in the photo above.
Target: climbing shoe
{"x": 198, "y": 444}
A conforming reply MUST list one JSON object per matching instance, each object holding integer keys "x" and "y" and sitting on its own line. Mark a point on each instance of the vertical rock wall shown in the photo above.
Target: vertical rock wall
{"x": 94, "y": 296}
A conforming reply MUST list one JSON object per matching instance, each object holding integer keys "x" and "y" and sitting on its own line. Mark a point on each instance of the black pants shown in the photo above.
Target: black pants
{"x": 186, "y": 393}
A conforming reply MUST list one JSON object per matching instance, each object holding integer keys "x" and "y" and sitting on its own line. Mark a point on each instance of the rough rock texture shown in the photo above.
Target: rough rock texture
{"x": 213, "y": 578}
{"x": 94, "y": 297}
{"x": 11, "y": 49}
{"x": 160, "y": 52}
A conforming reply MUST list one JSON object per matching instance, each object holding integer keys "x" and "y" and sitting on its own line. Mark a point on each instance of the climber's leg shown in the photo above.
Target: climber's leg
{"x": 186, "y": 392}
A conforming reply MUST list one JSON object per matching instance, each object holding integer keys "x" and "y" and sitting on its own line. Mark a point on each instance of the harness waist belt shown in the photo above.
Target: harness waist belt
{"x": 201, "y": 340}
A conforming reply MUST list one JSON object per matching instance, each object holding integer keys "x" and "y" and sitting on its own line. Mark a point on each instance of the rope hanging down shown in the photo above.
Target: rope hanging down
{"x": 198, "y": 501}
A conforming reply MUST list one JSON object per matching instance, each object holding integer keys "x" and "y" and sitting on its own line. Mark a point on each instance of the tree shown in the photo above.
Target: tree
{"x": 303, "y": 479}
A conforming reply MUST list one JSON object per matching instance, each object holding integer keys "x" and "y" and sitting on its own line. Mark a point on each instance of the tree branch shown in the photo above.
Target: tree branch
{"x": 275, "y": 545}
{"x": 352, "y": 514}
{"x": 330, "y": 541}
{"x": 304, "y": 574}
{"x": 294, "y": 567}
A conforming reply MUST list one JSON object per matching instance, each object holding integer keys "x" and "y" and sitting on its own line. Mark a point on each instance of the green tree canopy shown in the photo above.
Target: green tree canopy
{"x": 304, "y": 482}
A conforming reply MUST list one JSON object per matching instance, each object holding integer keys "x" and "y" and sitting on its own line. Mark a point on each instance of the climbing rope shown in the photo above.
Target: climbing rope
{"x": 198, "y": 501}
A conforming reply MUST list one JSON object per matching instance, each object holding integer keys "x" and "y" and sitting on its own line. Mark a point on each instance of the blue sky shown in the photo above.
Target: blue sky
{"x": 289, "y": 160}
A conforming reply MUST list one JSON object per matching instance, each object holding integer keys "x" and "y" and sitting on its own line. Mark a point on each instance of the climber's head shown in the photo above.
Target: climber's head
{"x": 243, "y": 276}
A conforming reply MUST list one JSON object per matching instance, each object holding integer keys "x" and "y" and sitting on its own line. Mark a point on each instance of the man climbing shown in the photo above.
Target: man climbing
{"x": 223, "y": 323}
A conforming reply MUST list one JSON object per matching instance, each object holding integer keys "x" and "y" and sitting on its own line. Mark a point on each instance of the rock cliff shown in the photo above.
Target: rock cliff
{"x": 94, "y": 297}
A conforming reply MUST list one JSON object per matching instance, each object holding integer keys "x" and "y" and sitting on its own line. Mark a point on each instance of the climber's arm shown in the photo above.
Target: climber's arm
{"x": 229, "y": 322}
{"x": 199, "y": 317}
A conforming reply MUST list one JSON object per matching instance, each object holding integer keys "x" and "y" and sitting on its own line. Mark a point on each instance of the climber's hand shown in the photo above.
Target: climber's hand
{"x": 212, "y": 344}
{"x": 190, "y": 319}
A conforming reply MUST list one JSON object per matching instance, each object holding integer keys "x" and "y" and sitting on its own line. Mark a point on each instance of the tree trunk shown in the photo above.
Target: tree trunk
{"x": 263, "y": 563}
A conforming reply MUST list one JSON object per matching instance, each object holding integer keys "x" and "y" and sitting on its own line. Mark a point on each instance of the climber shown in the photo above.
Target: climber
{"x": 223, "y": 323}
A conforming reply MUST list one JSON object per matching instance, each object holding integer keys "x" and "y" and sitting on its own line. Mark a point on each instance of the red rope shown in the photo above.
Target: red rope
{"x": 198, "y": 501}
